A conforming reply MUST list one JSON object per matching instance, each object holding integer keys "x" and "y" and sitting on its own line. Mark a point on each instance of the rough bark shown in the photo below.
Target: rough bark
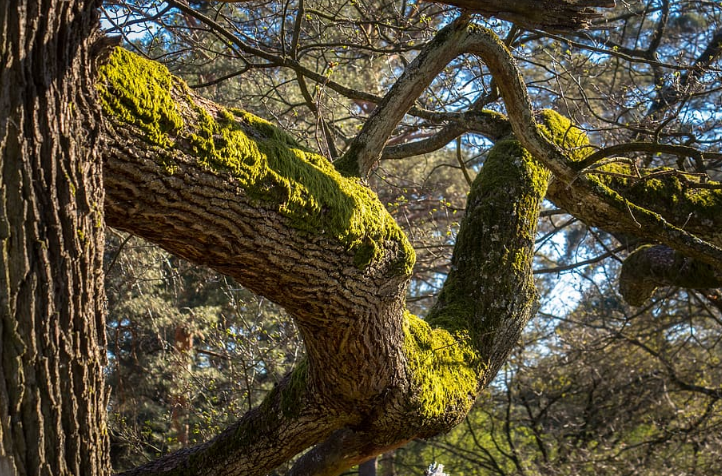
{"x": 52, "y": 331}
{"x": 650, "y": 267}
{"x": 549, "y": 15}
{"x": 221, "y": 188}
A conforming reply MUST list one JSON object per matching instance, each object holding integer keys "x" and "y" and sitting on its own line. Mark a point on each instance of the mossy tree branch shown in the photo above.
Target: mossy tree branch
{"x": 489, "y": 291}
{"x": 228, "y": 190}
{"x": 225, "y": 189}
{"x": 653, "y": 266}
{"x": 591, "y": 199}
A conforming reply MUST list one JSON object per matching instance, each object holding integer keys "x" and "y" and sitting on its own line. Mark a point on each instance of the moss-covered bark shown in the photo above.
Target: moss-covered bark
{"x": 226, "y": 189}
{"x": 682, "y": 199}
{"x": 652, "y": 266}
{"x": 268, "y": 164}
{"x": 489, "y": 294}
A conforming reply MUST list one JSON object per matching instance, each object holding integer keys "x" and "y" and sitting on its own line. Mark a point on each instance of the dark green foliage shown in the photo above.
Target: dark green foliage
{"x": 190, "y": 351}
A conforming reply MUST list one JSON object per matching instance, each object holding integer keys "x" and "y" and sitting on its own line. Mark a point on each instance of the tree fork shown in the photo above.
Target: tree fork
{"x": 394, "y": 377}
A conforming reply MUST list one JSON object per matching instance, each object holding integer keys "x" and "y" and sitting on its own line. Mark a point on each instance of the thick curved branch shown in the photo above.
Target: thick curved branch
{"x": 284, "y": 425}
{"x": 651, "y": 266}
{"x": 489, "y": 291}
{"x": 228, "y": 190}
{"x": 586, "y": 197}
{"x": 365, "y": 150}
{"x": 550, "y": 15}
{"x": 457, "y": 38}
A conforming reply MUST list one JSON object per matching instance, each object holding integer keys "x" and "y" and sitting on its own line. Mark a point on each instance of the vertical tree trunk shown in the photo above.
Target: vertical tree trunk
{"x": 388, "y": 463}
{"x": 367, "y": 468}
{"x": 52, "y": 394}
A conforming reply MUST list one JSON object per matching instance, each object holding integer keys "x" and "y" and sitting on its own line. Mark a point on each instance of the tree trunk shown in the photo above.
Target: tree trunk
{"x": 368, "y": 468}
{"x": 52, "y": 390}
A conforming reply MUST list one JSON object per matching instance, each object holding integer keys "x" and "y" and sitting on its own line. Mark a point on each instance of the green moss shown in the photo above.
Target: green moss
{"x": 488, "y": 294}
{"x": 662, "y": 189}
{"x": 348, "y": 165}
{"x": 510, "y": 164}
{"x": 445, "y": 368}
{"x": 677, "y": 197}
{"x": 266, "y": 162}
{"x": 292, "y": 395}
{"x": 494, "y": 247}
{"x": 139, "y": 92}
{"x": 563, "y": 133}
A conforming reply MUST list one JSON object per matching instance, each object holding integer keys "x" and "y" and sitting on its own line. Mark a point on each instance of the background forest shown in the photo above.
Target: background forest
{"x": 595, "y": 386}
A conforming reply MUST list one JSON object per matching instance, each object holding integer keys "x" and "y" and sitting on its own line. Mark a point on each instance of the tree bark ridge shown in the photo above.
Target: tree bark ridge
{"x": 52, "y": 328}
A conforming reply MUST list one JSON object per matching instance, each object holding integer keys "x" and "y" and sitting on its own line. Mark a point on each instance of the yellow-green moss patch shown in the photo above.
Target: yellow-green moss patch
{"x": 138, "y": 92}
{"x": 443, "y": 366}
{"x": 566, "y": 135}
{"x": 268, "y": 164}
{"x": 663, "y": 189}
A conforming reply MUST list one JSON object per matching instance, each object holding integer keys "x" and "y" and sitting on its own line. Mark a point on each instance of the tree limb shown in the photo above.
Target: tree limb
{"x": 550, "y": 15}
{"x": 285, "y": 424}
{"x": 587, "y": 197}
{"x": 649, "y": 267}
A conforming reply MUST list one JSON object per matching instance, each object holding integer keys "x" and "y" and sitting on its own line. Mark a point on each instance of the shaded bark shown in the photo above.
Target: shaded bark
{"x": 550, "y": 15}
{"x": 52, "y": 389}
{"x": 650, "y": 267}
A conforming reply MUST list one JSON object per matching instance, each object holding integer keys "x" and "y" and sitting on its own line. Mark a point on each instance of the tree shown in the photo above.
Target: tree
{"x": 52, "y": 403}
{"x": 223, "y": 188}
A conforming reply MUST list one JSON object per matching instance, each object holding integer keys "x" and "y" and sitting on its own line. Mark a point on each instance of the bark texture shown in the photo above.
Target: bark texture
{"x": 550, "y": 15}
{"x": 52, "y": 331}
{"x": 225, "y": 189}
{"x": 653, "y": 266}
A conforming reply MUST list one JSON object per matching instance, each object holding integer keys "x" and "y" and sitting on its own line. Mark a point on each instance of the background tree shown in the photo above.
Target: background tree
{"x": 189, "y": 351}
